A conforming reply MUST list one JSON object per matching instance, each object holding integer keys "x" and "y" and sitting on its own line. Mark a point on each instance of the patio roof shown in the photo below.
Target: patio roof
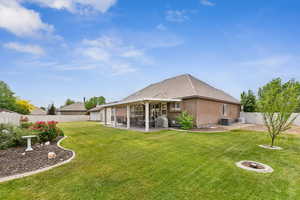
{"x": 132, "y": 102}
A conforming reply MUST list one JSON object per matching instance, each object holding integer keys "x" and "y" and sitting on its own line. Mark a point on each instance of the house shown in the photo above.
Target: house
{"x": 159, "y": 104}
{"x": 38, "y": 111}
{"x": 3, "y": 110}
{"x": 77, "y": 108}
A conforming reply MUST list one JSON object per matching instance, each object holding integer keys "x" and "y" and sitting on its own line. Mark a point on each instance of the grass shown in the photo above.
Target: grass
{"x": 121, "y": 164}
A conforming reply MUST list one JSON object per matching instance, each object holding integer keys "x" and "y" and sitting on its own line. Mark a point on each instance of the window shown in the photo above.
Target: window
{"x": 224, "y": 110}
{"x": 175, "y": 107}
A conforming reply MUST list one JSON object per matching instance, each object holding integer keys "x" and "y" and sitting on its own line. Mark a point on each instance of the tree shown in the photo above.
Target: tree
{"x": 43, "y": 108}
{"x": 248, "y": 101}
{"x": 94, "y": 101}
{"x": 69, "y": 102}
{"x": 277, "y": 101}
{"x": 51, "y": 110}
{"x": 23, "y": 107}
{"x": 7, "y": 98}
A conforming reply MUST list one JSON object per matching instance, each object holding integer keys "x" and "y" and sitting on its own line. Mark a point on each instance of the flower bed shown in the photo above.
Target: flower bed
{"x": 15, "y": 161}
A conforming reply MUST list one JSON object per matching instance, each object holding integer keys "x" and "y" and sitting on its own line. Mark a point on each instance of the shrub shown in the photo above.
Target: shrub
{"x": 11, "y": 136}
{"x": 47, "y": 131}
{"x": 26, "y": 125}
{"x": 186, "y": 121}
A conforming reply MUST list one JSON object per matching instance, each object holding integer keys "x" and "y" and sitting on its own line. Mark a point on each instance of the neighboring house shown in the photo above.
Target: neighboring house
{"x": 38, "y": 111}
{"x": 159, "y": 104}
{"x": 4, "y": 110}
{"x": 77, "y": 108}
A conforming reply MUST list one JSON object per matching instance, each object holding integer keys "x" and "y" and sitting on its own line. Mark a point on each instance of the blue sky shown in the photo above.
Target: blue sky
{"x": 51, "y": 50}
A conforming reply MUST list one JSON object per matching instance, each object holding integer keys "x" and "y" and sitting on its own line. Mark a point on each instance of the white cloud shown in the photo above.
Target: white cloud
{"x": 77, "y": 6}
{"x": 207, "y": 3}
{"x": 96, "y": 53}
{"x": 176, "y": 16}
{"x": 131, "y": 53}
{"x": 113, "y": 52}
{"x": 20, "y": 20}
{"x": 76, "y": 68}
{"x": 32, "y": 49}
{"x": 122, "y": 68}
{"x": 161, "y": 27}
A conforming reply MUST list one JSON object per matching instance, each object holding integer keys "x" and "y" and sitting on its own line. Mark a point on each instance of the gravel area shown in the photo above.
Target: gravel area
{"x": 14, "y": 161}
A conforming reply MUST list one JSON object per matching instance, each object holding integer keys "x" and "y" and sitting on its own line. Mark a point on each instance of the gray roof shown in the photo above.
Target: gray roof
{"x": 182, "y": 86}
{"x": 78, "y": 106}
{"x": 6, "y": 110}
{"x": 38, "y": 111}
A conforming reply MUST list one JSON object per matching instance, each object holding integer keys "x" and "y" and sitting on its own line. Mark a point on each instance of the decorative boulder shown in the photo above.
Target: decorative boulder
{"x": 47, "y": 143}
{"x": 51, "y": 155}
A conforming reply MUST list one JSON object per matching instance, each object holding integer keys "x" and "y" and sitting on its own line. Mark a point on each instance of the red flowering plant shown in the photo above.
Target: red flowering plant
{"x": 47, "y": 131}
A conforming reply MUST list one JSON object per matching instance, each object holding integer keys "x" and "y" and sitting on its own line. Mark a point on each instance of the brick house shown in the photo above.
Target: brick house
{"x": 159, "y": 104}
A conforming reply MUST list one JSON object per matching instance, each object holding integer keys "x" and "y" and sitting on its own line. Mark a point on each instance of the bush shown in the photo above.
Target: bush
{"x": 11, "y": 136}
{"x": 186, "y": 121}
{"x": 26, "y": 125}
{"x": 47, "y": 131}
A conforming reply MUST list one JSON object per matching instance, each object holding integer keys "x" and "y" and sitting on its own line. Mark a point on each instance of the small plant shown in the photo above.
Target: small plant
{"x": 47, "y": 131}
{"x": 26, "y": 125}
{"x": 186, "y": 121}
{"x": 11, "y": 136}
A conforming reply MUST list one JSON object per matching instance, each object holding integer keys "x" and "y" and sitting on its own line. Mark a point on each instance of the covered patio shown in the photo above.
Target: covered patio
{"x": 146, "y": 114}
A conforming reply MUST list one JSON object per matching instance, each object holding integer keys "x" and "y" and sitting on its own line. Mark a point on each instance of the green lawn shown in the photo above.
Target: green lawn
{"x": 121, "y": 164}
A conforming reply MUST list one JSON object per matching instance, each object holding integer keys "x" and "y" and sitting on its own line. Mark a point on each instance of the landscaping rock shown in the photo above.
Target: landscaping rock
{"x": 47, "y": 143}
{"x": 51, "y": 155}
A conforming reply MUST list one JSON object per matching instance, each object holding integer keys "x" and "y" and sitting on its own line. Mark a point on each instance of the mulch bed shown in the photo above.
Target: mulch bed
{"x": 13, "y": 162}
{"x": 214, "y": 129}
{"x": 253, "y": 165}
{"x": 208, "y": 129}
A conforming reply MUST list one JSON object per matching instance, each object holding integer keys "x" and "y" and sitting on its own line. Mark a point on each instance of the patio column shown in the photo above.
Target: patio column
{"x": 147, "y": 116}
{"x": 115, "y": 117}
{"x": 128, "y": 116}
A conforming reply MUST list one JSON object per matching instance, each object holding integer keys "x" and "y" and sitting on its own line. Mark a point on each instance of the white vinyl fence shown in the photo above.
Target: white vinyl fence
{"x": 257, "y": 118}
{"x": 9, "y": 118}
{"x": 58, "y": 118}
{"x": 14, "y": 118}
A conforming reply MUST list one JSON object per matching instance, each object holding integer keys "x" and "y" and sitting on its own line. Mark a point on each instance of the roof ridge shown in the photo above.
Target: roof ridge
{"x": 191, "y": 82}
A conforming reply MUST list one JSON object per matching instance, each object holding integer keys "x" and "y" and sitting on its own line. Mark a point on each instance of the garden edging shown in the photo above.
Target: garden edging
{"x": 17, "y": 176}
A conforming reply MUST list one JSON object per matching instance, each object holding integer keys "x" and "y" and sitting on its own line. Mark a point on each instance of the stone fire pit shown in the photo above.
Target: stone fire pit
{"x": 254, "y": 166}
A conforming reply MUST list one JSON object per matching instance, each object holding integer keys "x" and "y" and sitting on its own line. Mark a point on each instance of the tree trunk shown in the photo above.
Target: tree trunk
{"x": 273, "y": 140}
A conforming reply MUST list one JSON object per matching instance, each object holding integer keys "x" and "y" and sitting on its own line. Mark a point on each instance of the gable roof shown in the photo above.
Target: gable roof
{"x": 78, "y": 106}
{"x": 38, "y": 111}
{"x": 182, "y": 86}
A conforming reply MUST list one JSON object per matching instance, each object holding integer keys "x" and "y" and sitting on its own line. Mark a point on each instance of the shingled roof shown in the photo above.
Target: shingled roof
{"x": 78, "y": 106}
{"x": 182, "y": 87}
{"x": 38, "y": 111}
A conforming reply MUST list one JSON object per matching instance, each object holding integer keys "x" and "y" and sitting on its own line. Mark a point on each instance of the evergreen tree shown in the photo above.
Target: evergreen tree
{"x": 52, "y": 110}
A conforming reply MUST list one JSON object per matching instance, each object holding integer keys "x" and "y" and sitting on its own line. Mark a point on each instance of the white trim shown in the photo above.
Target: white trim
{"x": 17, "y": 176}
{"x": 140, "y": 100}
